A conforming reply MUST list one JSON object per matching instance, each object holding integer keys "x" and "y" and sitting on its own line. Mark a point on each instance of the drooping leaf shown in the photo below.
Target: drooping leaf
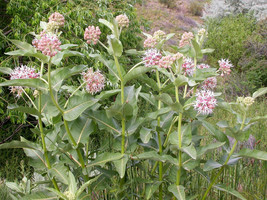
{"x": 177, "y": 191}
{"x": 145, "y": 134}
{"x": 260, "y": 92}
{"x": 197, "y": 49}
{"x": 16, "y": 145}
{"x": 60, "y": 172}
{"x": 102, "y": 159}
{"x": 24, "y": 45}
{"x": 151, "y": 189}
{"x": 120, "y": 165}
{"x": 115, "y": 45}
{"x": 34, "y": 83}
{"x": 249, "y": 153}
{"x": 203, "y": 149}
{"x": 211, "y": 164}
{"x": 190, "y": 150}
{"x": 28, "y": 110}
{"x": 107, "y": 23}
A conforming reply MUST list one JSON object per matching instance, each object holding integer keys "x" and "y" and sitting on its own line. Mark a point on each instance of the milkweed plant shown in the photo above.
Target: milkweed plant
{"x": 136, "y": 155}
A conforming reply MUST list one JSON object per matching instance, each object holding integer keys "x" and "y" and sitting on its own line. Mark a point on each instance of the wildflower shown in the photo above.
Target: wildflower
{"x": 225, "y": 66}
{"x": 203, "y": 66}
{"x": 48, "y": 44}
{"x": 186, "y": 38}
{"x": 152, "y": 57}
{"x": 57, "y": 18}
{"x": 92, "y": 34}
{"x": 248, "y": 101}
{"x": 188, "y": 67}
{"x": 95, "y": 81}
{"x": 123, "y": 21}
{"x": 201, "y": 32}
{"x": 177, "y": 56}
{"x": 205, "y": 102}
{"x": 52, "y": 26}
{"x": 150, "y": 42}
{"x": 22, "y": 72}
{"x": 166, "y": 61}
{"x": 210, "y": 83}
{"x": 70, "y": 195}
{"x": 159, "y": 35}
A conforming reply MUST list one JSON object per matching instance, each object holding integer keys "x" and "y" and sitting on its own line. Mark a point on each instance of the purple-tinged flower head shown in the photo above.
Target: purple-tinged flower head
{"x": 159, "y": 35}
{"x": 205, "y": 102}
{"x": 123, "y": 20}
{"x": 225, "y": 66}
{"x": 188, "y": 67}
{"x": 22, "y": 72}
{"x": 92, "y": 34}
{"x": 48, "y": 44}
{"x": 150, "y": 42}
{"x": 186, "y": 38}
{"x": 210, "y": 83}
{"x": 58, "y": 18}
{"x": 203, "y": 66}
{"x": 95, "y": 81}
{"x": 152, "y": 57}
{"x": 166, "y": 62}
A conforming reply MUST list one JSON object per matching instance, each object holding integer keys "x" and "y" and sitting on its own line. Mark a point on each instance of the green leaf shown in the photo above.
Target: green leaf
{"x": 204, "y": 51}
{"x": 6, "y": 70}
{"x": 103, "y": 158}
{"x": 259, "y": 92}
{"x": 190, "y": 150}
{"x": 223, "y": 124}
{"x": 186, "y": 136}
{"x": 136, "y": 73}
{"x": 40, "y": 195}
{"x": 115, "y": 45}
{"x": 219, "y": 135}
{"x": 66, "y": 46}
{"x": 145, "y": 134}
{"x": 149, "y": 98}
{"x": 231, "y": 191}
{"x": 151, "y": 189}
{"x": 34, "y": 83}
{"x": 24, "y": 45}
{"x": 260, "y": 155}
{"x": 120, "y": 165}
{"x": 203, "y": 149}
{"x": 56, "y": 60}
{"x": 16, "y": 144}
{"x": 28, "y": 110}
{"x": 210, "y": 165}
{"x": 178, "y": 191}
{"x": 258, "y": 118}
{"x": 134, "y": 52}
{"x": 72, "y": 183}
{"x": 85, "y": 185}
{"x": 107, "y": 23}
{"x": 180, "y": 80}
{"x": 60, "y": 172}
{"x": 152, "y": 155}
{"x": 197, "y": 49}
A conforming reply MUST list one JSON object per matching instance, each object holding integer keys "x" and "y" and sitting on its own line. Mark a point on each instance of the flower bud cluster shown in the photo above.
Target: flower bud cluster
{"x": 159, "y": 35}
{"x": 225, "y": 66}
{"x": 92, "y": 34}
{"x": 203, "y": 66}
{"x": 210, "y": 83}
{"x": 201, "y": 32}
{"x": 70, "y": 195}
{"x": 205, "y": 102}
{"x": 188, "y": 66}
{"x": 186, "y": 38}
{"x": 95, "y": 81}
{"x": 123, "y": 21}
{"x": 57, "y": 19}
{"x": 177, "y": 56}
{"x": 166, "y": 61}
{"x": 152, "y": 57}
{"x": 48, "y": 44}
{"x": 150, "y": 42}
{"x": 22, "y": 72}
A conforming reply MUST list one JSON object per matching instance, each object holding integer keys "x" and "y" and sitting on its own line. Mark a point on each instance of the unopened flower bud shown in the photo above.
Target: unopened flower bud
{"x": 186, "y": 38}
{"x": 248, "y": 101}
{"x": 150, "y": 42}
{"x": 159, "y": 35}
{"x": 92, "y": 34}
{"x": 70, "y": 195}
{"x": 57, "y": 18}
{"x": 123, "y": 20}
{"x": 201, "y": 32}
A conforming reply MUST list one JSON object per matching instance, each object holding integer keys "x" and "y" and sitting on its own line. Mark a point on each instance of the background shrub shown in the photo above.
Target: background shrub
{"x": 196, "y": 7}
{"x": 169, "y": 3}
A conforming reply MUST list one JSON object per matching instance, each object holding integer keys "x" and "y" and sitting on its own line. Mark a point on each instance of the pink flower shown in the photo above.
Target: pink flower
{"x": 48, "y": 44}
{"x": 186, "y": 38}
{"x": 122, "y": 20}
{"x": 177, "y": 56}
{"x": 58, "y": 18}
{"x": 22, "y": 72}
{"x": 95, "y": 81}
{"x": 152, "y": 57}
{"x": 188, "y": 67}
{"x": 225, "y": 66}
{"x": 203, "y": 66}
{"x": 166, "y": 61}
{"x": 150, "y": 42}
{"x": 205, "y": 102}
{"x": 210, "y": 83}
{"x": 92, "y": 34}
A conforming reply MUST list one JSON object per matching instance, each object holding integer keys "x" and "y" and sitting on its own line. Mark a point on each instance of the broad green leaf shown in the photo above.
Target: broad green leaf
{"x": 165, "y": 98}
{"x": 259, "y": 92}
{"x": 180, "y": 80}
{"x": 72, "y": 183}
{"x": 56, "y": 60}
{"x": 257, "y": 154}
{"x": 134, "y": 52}
{"x": 6, "y": 70}
{"x": 147, "y": 35}
{"x": 115, "y": 45}
{"x": 77, "y": 105}
{"x": 85, "y": 185}
{"x": 66, "y": 46}
{"x": 28, "y": 110}
{"x": 211, "y": 164}
{"x": 258, "y": 118}
{"x": 34, "y": 83}
{"x": 223, "y": 124}
{"x": 136, "y": 73}
{"x": 204, "y": 51}
{"x": 231, "y": 191}
{"x": 190, "y": 150}
{"x": 16, "y": 144}
{"x": 19, "y": 52}
{"x": 107, "y": 23}
{"x": 151, "y": 189}
{"x": 149, "y": 82}
{"x": 120, "y": 165}
{"x": 106, "y": 94}
{"x": 24, "y": 45}
{"x": 178, "y": 191}
{"x": 154, "y": 115}
{"x": 149, "y": 98}
{"x": 36, "y": 158}
{"x": 203, "y": 149}
{"x": 145, "y": 134}
{"x": 186, "y": 133}
{"x": 197, "y": 49}
{"x": 219, "y": 135}
{"x": 102, "y": 159}
{"x": 60, "y": 172}
{"x": 40, "y": 195}
{"x": 152, "y": 155}
{"x": 14, "y": 187}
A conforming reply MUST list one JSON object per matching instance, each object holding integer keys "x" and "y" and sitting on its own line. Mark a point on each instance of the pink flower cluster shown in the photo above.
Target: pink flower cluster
{"x": 225, "y": 66}
{"x": 58, "y": 18}
{"x": 205, "y": 102}
{"x": 92, "y": 34}
{"x": 22, "y": 72}
{"x": 203, "y": 66}
{"x": 150, "y": 42}
{"x": 188, "y": 66}
{"x": 123, "y": 20}
{"x": 48, "y": 44}
{"x": 152, "y": 57}
{"x": 159, "y": 35}
{"x": 95, "y": 81}
{"x": 166, "y": 61}
{"x": 186, "y": 37}
{"x": 210, "y": 83}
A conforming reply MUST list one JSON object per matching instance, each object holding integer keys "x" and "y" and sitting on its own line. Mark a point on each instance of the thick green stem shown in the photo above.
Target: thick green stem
{"x": 42, "y": 133}
{"x": 225, "y": 163}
